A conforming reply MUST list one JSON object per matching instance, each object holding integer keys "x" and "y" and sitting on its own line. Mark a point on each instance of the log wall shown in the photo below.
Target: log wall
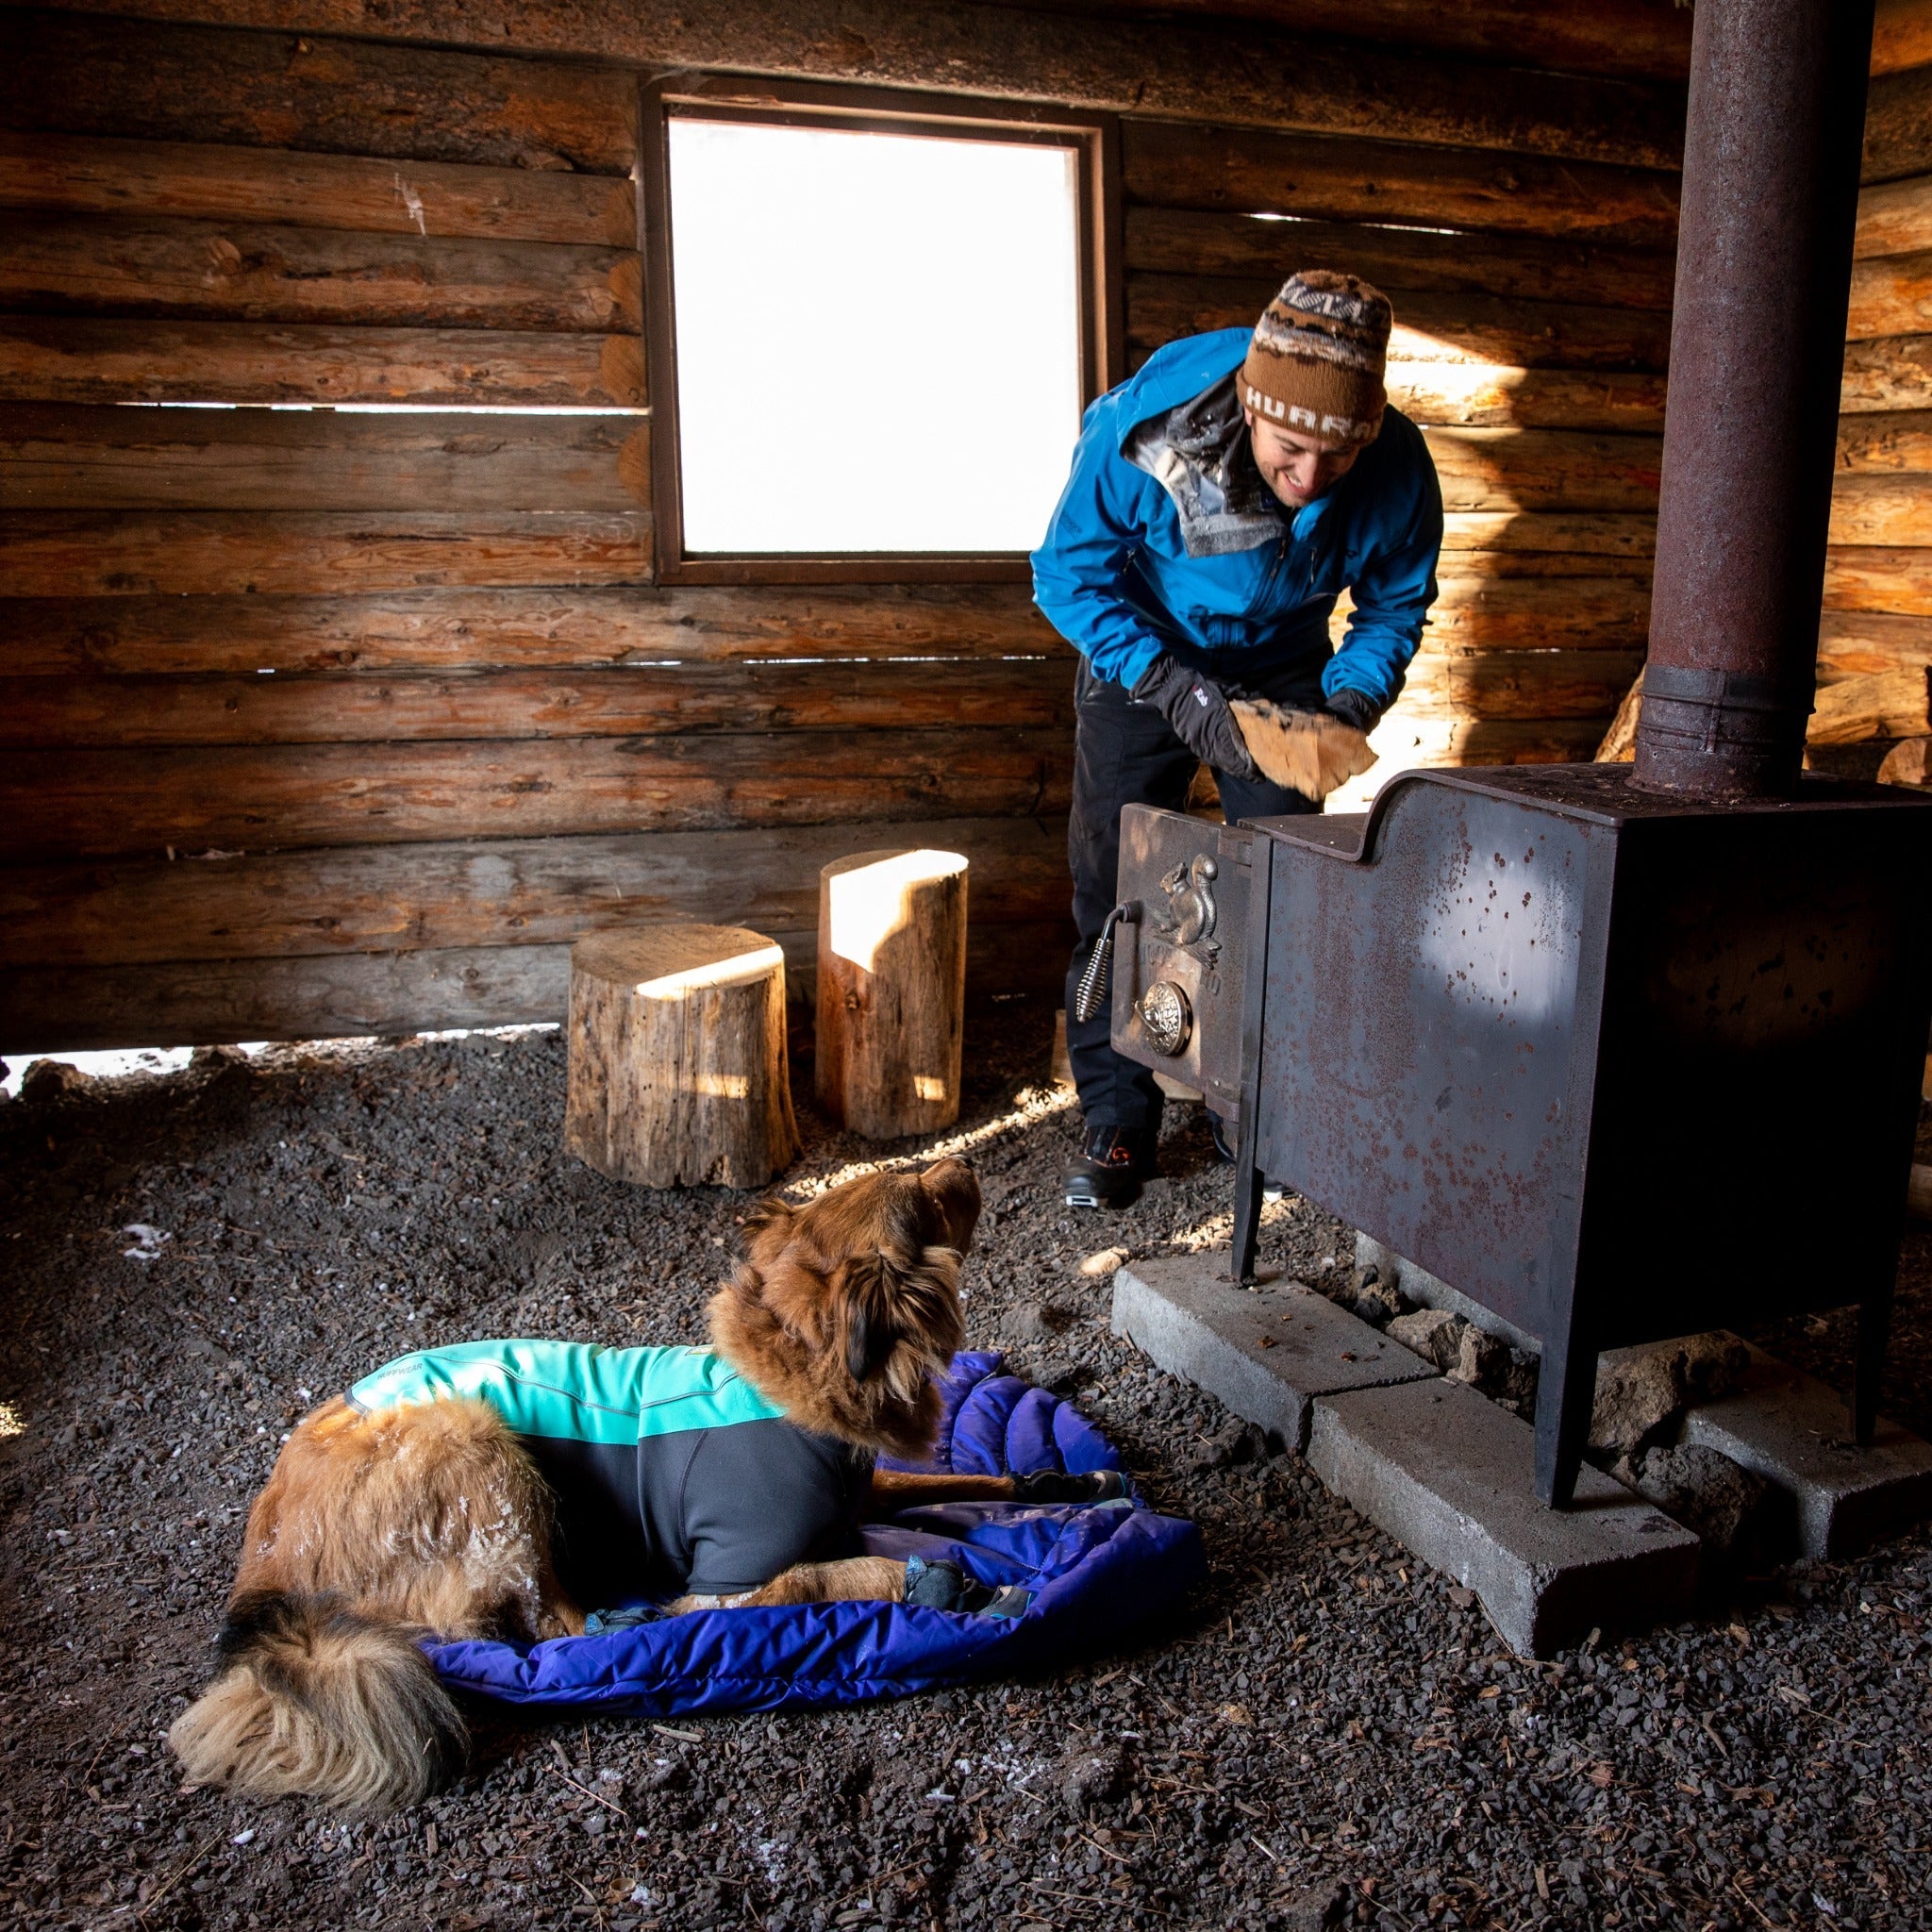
{"x": 329, "y": 717}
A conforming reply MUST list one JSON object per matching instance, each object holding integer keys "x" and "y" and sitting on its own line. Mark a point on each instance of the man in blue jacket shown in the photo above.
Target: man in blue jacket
{"x": 1219, "y": 501}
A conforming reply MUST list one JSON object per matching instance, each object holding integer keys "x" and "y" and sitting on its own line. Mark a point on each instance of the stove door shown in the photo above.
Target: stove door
{"x": 1178, "y": 971}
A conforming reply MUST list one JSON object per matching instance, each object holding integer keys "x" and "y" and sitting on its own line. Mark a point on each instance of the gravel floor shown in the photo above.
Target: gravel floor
{"x": 1323, "y": 1725}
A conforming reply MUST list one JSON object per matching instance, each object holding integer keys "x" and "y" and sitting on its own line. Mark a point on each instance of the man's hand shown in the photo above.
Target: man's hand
{"x": 1197, "y": 708}
{"x": 1309, "y": 752}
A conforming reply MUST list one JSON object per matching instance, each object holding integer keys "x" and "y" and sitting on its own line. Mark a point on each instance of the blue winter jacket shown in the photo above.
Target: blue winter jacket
{"x": 1167, "y": 539}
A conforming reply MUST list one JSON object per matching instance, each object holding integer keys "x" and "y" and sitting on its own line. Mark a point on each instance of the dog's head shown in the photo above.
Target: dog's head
{"x": 845, "y": 1310}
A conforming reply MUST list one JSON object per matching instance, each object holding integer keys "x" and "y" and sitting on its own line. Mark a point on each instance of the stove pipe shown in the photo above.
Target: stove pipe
{"x": 1771, "y": 153}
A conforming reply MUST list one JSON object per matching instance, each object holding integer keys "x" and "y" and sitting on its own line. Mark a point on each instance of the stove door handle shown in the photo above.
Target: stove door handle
{"x": 1093, "y": 982}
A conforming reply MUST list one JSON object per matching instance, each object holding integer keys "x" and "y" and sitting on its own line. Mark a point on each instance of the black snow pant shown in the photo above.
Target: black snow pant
{"x": 1127, "y": 753}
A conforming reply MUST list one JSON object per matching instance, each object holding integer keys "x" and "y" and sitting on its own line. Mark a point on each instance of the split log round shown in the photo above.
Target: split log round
{"x": 677, "y": 1072}
{"x": 891, "y": 990}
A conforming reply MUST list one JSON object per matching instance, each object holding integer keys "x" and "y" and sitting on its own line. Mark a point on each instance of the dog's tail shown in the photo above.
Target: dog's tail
{"x": 317, "y": 1699}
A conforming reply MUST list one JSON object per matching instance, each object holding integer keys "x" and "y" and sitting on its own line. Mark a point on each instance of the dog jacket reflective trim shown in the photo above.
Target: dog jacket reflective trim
{"x": 671, "y": 1471}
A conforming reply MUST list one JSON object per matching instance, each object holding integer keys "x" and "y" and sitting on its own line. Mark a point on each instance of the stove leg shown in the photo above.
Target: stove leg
{"x": 1566, "y": 1391}
{"x": 1874, "y": 1326}
{"x": 1247, "y": 1203}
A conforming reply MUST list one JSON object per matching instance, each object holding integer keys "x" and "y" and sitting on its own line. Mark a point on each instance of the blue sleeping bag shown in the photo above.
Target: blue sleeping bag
{"x": 1087, "y": 1573}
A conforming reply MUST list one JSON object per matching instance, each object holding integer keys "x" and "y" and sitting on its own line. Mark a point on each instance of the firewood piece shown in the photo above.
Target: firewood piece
{"x": 1887, "y": 704}
{"x": 1908, "y": 763}
{"x": 1620, "y": 741}
{"x": 891, "y": 990}
{"x": 677, "y": 1069}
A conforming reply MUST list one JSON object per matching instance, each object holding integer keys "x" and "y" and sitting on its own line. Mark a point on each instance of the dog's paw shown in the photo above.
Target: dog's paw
{"x": 1051, "y": 1486}
{"x": 942, "y": 1585}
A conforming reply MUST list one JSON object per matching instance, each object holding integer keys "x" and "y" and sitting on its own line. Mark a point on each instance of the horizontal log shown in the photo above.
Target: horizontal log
{"x": 72, "y": 358}
{"x": 1898, "y": 125}
{"x": 1901, "y": 35}
{"x": 239, "y": 271}
{"x": 1892, "y": 295}
{"x": 1891, "y": 511}
{"x": 1895, "y": 218}
{"x": 1502, "y": 533}
{"x": 1186, "y": 241}
{"x": 204, "y": 552}
{"x": 355, "y": 995}
{"x": 1406, "y": 738}
{"x": 86, "y": 174}
{"x": 1539, "y": 614}
{"x": 505, "y": 892}
{"x": 1544, "y": 470}
{"x": 1890, "y": 442}
{"x": 1483, "y": 396}
{"x": 1246, "y": 170}
{"x": 654, "y": 699}
{"x": 1428, "y": 328}
{"x": 1893, "y": 373}
{"x": 422, "y": 631}
{"x": 1885, "y": 703}
{"x": 1858, "y": 643}
{"x": 82, "y": 804}
{"x": 1874, "y": 578}
{"x": 57, "y": 457}
{"x": 161, "y": 81}
{"x": 1519, "y": 684}
{"x": 1224, "y": 73}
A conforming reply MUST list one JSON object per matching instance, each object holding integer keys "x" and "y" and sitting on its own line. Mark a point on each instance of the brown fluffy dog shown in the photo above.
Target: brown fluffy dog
{"x": 377, "y": 1528}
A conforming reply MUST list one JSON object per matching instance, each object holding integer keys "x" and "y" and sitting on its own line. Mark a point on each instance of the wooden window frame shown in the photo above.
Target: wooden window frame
{"x": 1094, "y": 140}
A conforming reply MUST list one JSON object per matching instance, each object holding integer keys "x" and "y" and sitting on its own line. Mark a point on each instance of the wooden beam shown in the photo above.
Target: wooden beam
{"x": 1185, "y": 241}
{"x": 1893, "y": 373}
{"x": 1487, "y": 685}
{"x": 1901, "y": 35}
{"x": 235, "y": 272}
{"x": 1889, "y": 512}
{"x": 1886, "y": 442}
{"x": 1857, "y": 643}
{"x": 59, "y": 457}
{"x": 1233, "y": 170}
{"x": 1898, "y": 125}
{"x": 86, "y": 174}
{"x": 1587, "y": 534}
{"x": 86, "y": 804}
{"x": 1226, "y": 73}
{"x": 1870, "y": 578}
{"x": 1895, "y": 218}
{"x": 76, "y": 358}
{"x": 1886, "y": 703}
{"x": 1544, "y": 470}
{"x": 160, "y": 80}
{"x": 422, "y": 631}
{"x": 489, "y": 893}
{"x": 41, "y": 712}
{"x": 1892, "y": 295}
{"x": 1480, "y": 395}
{"x": 210, "y": 553}
{"x": 1404, "y": 739}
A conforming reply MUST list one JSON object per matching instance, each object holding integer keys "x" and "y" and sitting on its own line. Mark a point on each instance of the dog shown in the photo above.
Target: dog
{"x": 497, "y": 1489}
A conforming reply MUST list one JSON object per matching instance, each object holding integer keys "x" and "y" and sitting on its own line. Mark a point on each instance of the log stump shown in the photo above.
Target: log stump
{"x": 891, "y": 990}
{"x": 677, "y": 1070}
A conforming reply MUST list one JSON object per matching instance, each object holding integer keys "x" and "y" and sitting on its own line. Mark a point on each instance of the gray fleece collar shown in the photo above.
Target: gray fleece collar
{"x": 1198, "y": 453}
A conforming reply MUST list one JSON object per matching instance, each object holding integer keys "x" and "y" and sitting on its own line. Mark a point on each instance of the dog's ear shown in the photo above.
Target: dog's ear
{"x": 863, "y": 1293}
{"x": 771, "y": 1216}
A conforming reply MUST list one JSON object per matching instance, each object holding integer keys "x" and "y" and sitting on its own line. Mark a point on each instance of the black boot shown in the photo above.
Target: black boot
{"x": 1110, "y": 1168}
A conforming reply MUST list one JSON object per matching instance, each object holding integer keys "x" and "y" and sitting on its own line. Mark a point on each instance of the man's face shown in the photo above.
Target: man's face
{"x": 1297, "y": 468}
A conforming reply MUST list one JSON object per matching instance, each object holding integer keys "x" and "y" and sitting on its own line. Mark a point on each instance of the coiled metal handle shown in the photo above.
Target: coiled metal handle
{"x": 1093, "y": 986}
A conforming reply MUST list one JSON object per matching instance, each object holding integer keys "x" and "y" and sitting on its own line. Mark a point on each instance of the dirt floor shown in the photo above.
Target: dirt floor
{"x": 1323, "y": 1725}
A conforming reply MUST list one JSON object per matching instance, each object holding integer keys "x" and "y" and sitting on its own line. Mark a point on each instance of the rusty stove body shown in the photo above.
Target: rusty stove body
{"x": 1616, "y": 1066}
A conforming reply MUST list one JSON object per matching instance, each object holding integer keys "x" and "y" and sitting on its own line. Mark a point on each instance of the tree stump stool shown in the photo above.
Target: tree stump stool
{"x": 677, "y": 1072}
{"x": 891, "y": 990}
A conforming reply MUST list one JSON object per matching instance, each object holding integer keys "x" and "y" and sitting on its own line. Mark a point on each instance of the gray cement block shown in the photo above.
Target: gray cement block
{"x": 1419, "y": 1285}
{"x": 1266, "y": 1354}
{"x": 1795, "y": 1432}
{"x": 1449, "y": 1475}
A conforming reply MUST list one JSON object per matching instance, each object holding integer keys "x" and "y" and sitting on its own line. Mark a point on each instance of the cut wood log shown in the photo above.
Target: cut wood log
{"x": 199, "y": 552}
{"x": 1544, "y": 469}
{"x": 1871, "y": 579}
{"x": 1892, "y": 295}
{"x": 1909, "y": 762}
{"x": 1481, "y": 685}
{"x": 1891, "y": 373}
{"x": 1888, "y": 441}
{"x": 1895, "y": 218}
{"x": 1898, "y": 125}
{"x": 241, "y": 271}
{"x": 444, "y": 630}
{"x": 1247, "y": 171}
{"x": 662, "y": 699}
{"x": 1619, "y": 746}
{"x": 1226, "y": 73}
{"x": 489, "y": 893}
{"x": 161, "y": 80}
{"x": 891, "y": 988}
{"x": 1484, "y": 397}
{"x": 1588, "y": 533}
{"x": 1402, "y": 739}
{"x": 1886, "y": 511}
{"x": 1190, "y": 242}
{"x": 1479, "y": 612}
{"x": 1484, "y": 329}
{"x": 1901, "y": 35}
{"x": 1855, "y": 643}
{"x": 1888, "y": 704}
{"x": 677, "y": 1067}
{"x": 78, "y": 359}
{"x": 81, "y": 803}
{"x": 86, "y": 174}
{"x": 59, "y": 457}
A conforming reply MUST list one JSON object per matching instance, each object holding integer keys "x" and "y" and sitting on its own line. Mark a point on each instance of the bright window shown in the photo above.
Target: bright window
{"x": 879, "y": 338}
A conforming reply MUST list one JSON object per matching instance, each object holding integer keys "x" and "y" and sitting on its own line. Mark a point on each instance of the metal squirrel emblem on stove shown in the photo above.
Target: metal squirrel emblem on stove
{"x": 1191, "y": 908}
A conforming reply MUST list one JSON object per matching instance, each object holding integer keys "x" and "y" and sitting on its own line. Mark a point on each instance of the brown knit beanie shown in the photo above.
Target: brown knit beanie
{"x": 1315, "y": 365}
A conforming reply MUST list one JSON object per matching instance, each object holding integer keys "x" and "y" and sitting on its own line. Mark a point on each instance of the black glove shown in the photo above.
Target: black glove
{"x": 1356, "y": 707}
{"x": 1197, "y": 709}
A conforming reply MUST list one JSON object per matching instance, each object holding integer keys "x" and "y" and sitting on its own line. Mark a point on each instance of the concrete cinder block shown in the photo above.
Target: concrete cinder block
{"x": 1449, "y": 1475}
{"x": 1266, "y": 1354}
{"x": 1795, "y": 1431}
